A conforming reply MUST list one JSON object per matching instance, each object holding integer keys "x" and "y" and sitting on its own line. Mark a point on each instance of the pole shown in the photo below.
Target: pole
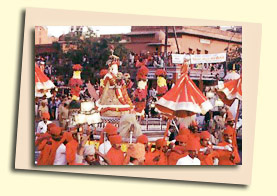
{"x": 176, "y": 39}
{"x": 175, "y": 126}
{"x": 131, "y": 137}
{"x": 237, "y": 114}
{"x": 165, "y": 50}
{"x": 226, "y": 63}
{"x": 167, "y": 128}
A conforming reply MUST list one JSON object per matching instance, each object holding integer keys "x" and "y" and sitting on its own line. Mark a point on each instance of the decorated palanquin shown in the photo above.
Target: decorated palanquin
{"x": 114, "y": 100}
{"x": 161, "y": 82}
{"x": 141, "y": 91}
{"x": 76, "y": 82}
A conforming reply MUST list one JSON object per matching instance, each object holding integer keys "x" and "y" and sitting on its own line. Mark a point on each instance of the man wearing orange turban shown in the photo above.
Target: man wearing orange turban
{"x": 206, "y": 156}
{"x": 194, "y": 131}
{"x": 105, "y": 146}
{"x": 179, "y": 149}
{"x": 230, "y": 125}
{"x": 193, "y": 147}
{"x": 115, "y": 154}
{"x": 71, "y": 148}
{"x": 228, "y": 157}
{"x": 158, "y": 156}
{"x": 49, "y": 146}
{"x": 142, "y": 139}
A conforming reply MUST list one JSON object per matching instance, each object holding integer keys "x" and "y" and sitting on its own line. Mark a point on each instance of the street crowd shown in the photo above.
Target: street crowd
{"x": 189, "y": 146}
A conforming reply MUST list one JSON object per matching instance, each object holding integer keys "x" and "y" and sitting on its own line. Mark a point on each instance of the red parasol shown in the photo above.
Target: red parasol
{"x": 230, "y": 91}
{"x": 184, "y": 99}
{"x": 42, "y": 82}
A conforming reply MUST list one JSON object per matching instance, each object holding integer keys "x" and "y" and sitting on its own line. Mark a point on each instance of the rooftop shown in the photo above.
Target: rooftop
{"x": 203, "y": 31}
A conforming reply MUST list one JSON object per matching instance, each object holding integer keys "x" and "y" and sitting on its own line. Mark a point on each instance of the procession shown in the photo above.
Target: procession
{"x": 155, "y": 95}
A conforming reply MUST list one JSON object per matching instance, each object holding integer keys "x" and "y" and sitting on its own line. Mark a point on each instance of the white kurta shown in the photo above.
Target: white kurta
{"x": 104, "y": 148}
{"x": 42, "y": 127}
{"x": 187, "y": 160}
{"x": 60, "y": 158}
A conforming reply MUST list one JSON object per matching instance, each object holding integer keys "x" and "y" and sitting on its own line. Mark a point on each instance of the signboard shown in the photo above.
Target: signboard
{"x": 205, "y": 41}
{"x": 199, "y": 58}
{"x": 208, "y": 58}
{"x": 177, "y": 58}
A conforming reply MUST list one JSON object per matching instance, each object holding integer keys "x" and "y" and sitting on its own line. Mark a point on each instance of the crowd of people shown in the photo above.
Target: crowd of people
{"x": 189, "y": 146}
{"x": 161, "y": 60}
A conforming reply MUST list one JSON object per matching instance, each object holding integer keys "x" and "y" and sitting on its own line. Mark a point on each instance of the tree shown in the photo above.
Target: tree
{"x": 234, "y": 56}
{"x": 92, "y": 52}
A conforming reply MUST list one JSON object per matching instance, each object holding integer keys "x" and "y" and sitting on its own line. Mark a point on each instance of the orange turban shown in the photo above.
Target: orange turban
{"x": 110, "y": 129}
{"x": 229, "y": 131}
{"x": 68, "y": 136}
{"x": 182, "y": 138}
{"x": 137, "y": 151}
{"x": 184, "y": 131}
{"x": 160, "y": 142}
{"x": 49, "y": 126}
{"x": 45, "y": 115}
{"x": 56, "y": 131}
{"x": 142, "y": 139}
{"x": 115, "y": 139}
{"x": 193, "y": 145}
{"x": 205, "y": 135}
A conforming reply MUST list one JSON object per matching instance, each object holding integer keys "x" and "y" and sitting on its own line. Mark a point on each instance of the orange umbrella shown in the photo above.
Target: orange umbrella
{"x": 42, "y": 82}
{"x": 184, "y": 99}
{"x": 230, "y": 91}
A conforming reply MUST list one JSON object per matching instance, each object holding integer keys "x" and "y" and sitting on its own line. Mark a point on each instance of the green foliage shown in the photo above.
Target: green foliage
{"x": 95, "y": 49}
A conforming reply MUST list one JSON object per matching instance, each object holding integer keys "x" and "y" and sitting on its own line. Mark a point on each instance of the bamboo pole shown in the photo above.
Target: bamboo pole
{"x": 237, "y": 114}
{"x": 175, "y": 35}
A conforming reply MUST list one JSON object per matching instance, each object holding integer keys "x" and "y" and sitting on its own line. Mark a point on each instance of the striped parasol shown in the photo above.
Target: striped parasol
{"x": 230, "y": 90}
{"x": 42, "y": 82}
{"x": 184, "y": 99}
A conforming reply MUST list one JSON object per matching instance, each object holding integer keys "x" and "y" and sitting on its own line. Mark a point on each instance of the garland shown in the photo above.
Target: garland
{"x": 119, "y": 96}
{"x": 114, "y": 109}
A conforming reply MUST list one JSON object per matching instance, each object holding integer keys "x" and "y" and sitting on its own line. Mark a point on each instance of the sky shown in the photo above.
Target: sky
{"x": 59, "y": 30}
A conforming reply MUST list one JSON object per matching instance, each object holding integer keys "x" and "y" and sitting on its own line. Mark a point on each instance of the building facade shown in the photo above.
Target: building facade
{"x": 41, "y": 36}
{"x": 190, "y": 39}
